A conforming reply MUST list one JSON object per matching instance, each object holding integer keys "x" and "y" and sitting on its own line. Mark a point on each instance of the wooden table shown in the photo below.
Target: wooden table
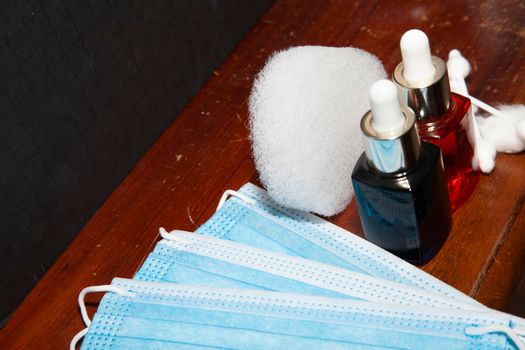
{"x": 206, "y": 150}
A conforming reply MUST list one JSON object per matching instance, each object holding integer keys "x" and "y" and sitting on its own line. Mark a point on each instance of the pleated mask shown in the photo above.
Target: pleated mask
{"x": 251, "y": 217}
{"x": 144, "y": 315}
{"x": 191, "y": 258}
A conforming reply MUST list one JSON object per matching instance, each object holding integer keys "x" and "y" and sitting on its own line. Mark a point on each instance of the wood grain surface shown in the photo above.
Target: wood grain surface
{"x": 206, "y": 150}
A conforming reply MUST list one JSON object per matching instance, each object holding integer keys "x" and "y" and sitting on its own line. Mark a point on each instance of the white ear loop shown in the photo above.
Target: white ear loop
{"x": 233, "y": 193}
{"x": 172, "y": 235}
{"x": 97, "y": 289}
{"x": 83, "y": 311}
{"x": 77, "y": 337}
{"x": 512, "y": 333}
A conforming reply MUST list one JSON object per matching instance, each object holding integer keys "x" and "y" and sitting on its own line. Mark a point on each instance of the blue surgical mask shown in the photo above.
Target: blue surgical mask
{"x": 251, "y": 217}
{"x": 190, "y": 258}
{"x": 145, "y": 315}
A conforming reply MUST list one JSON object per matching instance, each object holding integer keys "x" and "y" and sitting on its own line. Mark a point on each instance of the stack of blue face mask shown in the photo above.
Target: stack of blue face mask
{"x": 260, "y": 276}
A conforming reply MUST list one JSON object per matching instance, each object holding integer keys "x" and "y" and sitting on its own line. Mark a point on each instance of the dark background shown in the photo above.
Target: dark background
{"x": 86, "y": 87}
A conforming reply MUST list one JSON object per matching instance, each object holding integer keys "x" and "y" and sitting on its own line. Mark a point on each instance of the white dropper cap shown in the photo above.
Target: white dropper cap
{"x": 386, "y": 110}
{"x": 417, "y": 59}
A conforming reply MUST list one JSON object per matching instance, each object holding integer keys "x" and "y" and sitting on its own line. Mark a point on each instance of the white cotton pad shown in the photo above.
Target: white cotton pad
{"x": 504, "y": 134}
{"x": 305, "y": 108}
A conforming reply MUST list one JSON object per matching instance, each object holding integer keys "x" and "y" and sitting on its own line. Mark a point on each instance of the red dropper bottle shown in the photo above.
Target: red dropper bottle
{"x": 423, "y": 85}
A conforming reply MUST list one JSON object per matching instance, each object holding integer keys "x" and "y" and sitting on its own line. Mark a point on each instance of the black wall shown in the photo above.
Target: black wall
{"x": 85, "y": 89}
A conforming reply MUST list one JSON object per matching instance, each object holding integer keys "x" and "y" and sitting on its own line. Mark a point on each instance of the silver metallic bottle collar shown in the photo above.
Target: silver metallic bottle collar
{"x": 394, "y": 151}
{"x": 428, "y": 97}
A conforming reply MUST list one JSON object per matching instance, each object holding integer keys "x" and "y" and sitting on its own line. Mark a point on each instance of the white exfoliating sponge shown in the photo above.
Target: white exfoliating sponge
{"x": 305, "y": 108}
